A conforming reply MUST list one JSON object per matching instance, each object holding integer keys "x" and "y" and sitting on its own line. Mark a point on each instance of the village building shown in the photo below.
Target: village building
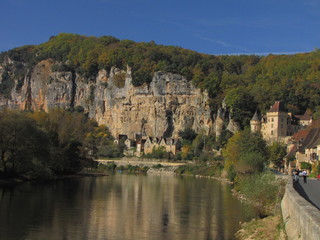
{"x": 145, "y": 145}
{"x": 303, "y": 142}
{"x": 293, "y": 146}
{"x": 305, "y": 147}
{"x": 150, "y": 144}
{"x": 278, "y": 124}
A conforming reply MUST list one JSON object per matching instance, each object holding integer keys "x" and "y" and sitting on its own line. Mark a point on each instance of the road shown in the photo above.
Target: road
{"x": 310, "y": 190}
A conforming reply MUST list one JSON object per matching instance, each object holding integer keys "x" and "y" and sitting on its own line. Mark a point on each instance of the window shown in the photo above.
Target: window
{"x": 281, "y": 119}
{"x": 272, "y": 132}
{"x": 271, "y": 119}
{"x": 281, "y": 125}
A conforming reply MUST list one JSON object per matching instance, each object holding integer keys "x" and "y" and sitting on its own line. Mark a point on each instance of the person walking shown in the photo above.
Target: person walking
{"x": 304, "y": 175}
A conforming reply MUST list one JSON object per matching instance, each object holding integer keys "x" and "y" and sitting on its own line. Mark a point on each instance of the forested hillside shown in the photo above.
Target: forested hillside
{"x": 247, "y": 82}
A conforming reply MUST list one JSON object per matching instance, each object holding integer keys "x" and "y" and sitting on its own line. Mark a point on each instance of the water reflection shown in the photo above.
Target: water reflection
{"x": 121, "y": 207}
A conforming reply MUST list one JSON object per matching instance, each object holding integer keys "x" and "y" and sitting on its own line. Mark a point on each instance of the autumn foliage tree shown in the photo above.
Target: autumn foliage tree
{"x": 245, "y": 153}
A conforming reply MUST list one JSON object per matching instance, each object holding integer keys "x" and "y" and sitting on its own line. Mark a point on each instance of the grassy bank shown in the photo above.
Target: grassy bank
{"x": 113, "y": 167}
{"x": 204, "y": 169}
{"x": 264, "y": 191}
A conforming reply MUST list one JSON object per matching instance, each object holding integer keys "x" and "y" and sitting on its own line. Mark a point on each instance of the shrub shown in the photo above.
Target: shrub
{"x": 157, "y": 166}
{"x": 188, "y": 134}
{"x": 200, "y": 169}
{"x": 305, "y": 165}
{"x": 231, "y": 173}
{"x": 262, "y": 189}
{"x": 119, "y": 79}
{"x": 110, "y": 166}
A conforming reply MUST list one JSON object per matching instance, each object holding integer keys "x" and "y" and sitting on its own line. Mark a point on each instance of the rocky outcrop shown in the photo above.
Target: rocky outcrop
{"x": 168, "y": 104}
{"x": 223, "y": 121}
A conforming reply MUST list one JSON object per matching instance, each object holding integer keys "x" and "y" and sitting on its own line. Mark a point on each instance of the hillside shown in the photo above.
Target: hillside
{"x": 123, "y": 82}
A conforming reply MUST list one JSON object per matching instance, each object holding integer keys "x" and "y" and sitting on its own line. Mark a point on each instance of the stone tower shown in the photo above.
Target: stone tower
{"x": 255, "y": 123}
{"x": 276, "y": 126}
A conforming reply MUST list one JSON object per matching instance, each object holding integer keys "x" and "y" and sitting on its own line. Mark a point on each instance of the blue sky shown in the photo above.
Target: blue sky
{"x": 212, "y": 27}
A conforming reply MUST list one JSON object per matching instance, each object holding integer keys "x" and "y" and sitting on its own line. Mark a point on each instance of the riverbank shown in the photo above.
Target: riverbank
{"x": 18, "y": 180}
{"x": 262, "y": 229}
{"x": 10, "y": 181}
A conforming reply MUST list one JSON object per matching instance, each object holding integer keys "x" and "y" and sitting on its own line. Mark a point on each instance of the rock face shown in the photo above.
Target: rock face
{"x": 168, "y": 104}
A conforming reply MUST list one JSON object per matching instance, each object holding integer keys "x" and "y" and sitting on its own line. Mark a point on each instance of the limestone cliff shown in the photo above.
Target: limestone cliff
{"x": 168, "y": 104}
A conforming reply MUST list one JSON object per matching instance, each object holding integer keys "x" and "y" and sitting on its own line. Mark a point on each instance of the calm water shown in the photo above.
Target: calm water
{"x": 121, "y": 207}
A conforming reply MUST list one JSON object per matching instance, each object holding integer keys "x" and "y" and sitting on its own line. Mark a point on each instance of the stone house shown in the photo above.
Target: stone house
{"x": 145, "y": 145}
{"x": 140, "y": 147}
{"x": 309, "y": 149}
{"x": 170, "y": 145}
{"x": 150, "y": 144}
{"x": 304, "y": 146}
{"x": 305, "y": 119}
{"x": 278, "y": 124}
{"x": 121, "y": 137}
{"x": 293, "y": 146}
{"x": 130, "y": 143}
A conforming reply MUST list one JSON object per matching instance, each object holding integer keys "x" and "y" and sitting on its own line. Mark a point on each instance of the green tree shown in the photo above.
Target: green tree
{"x": 187, "y": 134}
{"x": 305, "y": 165}
{"x": 246, "y": 152}
{"x": 241, "y": 104}
{"x": 22, "y": 144}
{"x": 277, "y": 152}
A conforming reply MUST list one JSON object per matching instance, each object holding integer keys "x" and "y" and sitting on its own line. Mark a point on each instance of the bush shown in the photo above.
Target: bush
{"x": 111, "y": 166}
{"x": 305, "y": 165}
{"x": 200, "y": 169}
{"x": 119, "y": 79}
{"x": 231, "y": 173}
{"x": 264, "y": 190}
{"x": 158, "y": 153}
{"x": 188, "y": 134}
{"x": 133, "y": 168}
{"x": 157, "y": 166}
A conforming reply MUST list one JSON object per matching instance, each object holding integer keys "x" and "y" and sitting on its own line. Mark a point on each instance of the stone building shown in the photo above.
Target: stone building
{"x": 146, "y": 145}
{"x": 278, "y": 124}
{"x": 304, "y": 147}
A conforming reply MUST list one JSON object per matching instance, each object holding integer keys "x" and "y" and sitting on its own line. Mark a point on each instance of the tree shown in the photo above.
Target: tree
{"x": 22, "y": 144}
{"x": 277, "y": 151}
{"x": 245, "y": 152}
{"x": 187, "y": 134}
{"x": 306, "y": 165}
{"x": 241, "y": 104}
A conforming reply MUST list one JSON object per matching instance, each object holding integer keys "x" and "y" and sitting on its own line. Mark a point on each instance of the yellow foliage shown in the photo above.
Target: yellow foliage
{"x": 231, "y": 152}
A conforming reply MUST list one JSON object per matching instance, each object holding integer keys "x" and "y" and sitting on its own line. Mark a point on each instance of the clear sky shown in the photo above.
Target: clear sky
{"x": 211, "y": 26}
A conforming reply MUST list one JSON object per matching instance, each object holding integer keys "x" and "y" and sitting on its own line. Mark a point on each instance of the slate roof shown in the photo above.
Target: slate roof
{"x": 305, "y": 117}
{"x": 255, "y": 117}
{"x": 278, "y": 107}
{"x": 300, "y": 135}
{"x": 312, "y": 139}
{"x": 293, "y": 151}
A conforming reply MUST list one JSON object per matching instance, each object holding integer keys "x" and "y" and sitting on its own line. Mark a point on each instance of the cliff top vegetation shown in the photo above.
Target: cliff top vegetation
{"x": 247, "y": 82}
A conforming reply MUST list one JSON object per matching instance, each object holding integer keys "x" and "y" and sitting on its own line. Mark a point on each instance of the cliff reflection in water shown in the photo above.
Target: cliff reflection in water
{"x": 121, "y": 207}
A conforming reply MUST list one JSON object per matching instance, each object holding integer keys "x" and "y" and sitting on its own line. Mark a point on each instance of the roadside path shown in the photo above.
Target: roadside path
{"x": 310, "y": 190}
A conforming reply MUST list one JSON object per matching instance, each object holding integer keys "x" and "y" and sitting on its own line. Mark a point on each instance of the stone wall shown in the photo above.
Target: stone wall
{"x": 135, "y": 161}
{"x": 301, "y": 218}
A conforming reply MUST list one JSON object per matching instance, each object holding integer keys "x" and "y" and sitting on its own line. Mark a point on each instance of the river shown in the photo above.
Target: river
{"x": 121, "y": 207}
